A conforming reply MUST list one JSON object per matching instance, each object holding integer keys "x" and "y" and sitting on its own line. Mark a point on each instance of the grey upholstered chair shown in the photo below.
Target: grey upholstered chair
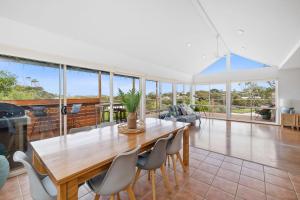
{"x": 41, "y": 187}
{"x": 152, "y": 160}
{"x": 4, "y": 170}
{"x": 118, "y": 177}
{"x": 80, "y": 129}
{"x": 173, "y": 148}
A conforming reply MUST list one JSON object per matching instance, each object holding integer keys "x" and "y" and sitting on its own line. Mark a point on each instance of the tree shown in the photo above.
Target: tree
{"x": 7, "y": 82}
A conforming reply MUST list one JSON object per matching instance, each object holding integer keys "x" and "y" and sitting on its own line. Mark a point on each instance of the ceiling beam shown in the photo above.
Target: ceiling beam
{"x": 290, "y": 54}
{"x": 209, "y": 22}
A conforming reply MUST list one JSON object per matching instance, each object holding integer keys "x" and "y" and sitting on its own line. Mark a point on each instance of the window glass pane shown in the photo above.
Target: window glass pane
{"x": 254, "y": 100}
{"x": 202, "y": 94}
{"x": 28, "y": 80}
{"x": 104, "y": 87}
{"x": 217, "y": 67}
{"x": 82, "y": 83}
{"x": 29, "y": 105}
{"x": 239, "y": 63}
{"x": 166, "y": 95}
{"x": 151, "y": 96}
{"x": 125, "y": 83}
{"x": 183, "y": 94}
{"x": 218, "y": 94}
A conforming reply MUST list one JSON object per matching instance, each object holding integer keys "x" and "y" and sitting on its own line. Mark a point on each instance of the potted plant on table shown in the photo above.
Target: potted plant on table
{"x": 131, "y": 102}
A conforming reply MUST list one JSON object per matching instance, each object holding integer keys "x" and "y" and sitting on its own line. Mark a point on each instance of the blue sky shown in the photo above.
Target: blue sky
{"x": 237, "y": 63}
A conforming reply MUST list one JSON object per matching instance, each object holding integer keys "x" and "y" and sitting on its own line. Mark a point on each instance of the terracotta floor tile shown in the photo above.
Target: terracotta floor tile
{"x": 296, "y": 186}
{"x": 194, "y": 163}
{"x": 200, "y": 151}
{"x": 196, "y": 187}
{"x": 295, "y": 178}
{"x": 231, "y": 167}
{"x": 279, "y": 192}
{"x": 11, "y": 190}
{"x": 233, "y": 160}
{"x": 225, "y": 185}
{"x": 197, "y": 156}
{"x": 252, "y": 183}
{"x": 203, "y": 176}
{"x": 228, "y": 175}
{"x": 208, "y": 168}
{"x": 282, "y": 182}
{"x": 276, "y": 172}
{"x": 253, "y": 165}
{"x": 213, "y": 161}
{"x": 250, "y": 194}
{"x": 217, "y": 194}
{"x": 185, "y": 194}
{"x": 253, "y": 173}
{"x": 216, "y": 156}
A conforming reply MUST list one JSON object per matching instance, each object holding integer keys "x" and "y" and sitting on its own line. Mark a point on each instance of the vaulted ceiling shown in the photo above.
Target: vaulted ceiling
{"x": 174, "y": 35}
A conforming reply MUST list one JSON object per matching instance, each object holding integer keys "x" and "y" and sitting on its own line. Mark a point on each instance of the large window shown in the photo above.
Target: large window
{"x": 152, "y": 98}
{"x": 211, "y": 100}
{"x": 183, "y": 94}
{"x": 166, "y": 95}
{"x": 218, "y": 100}
{"x": 253, "y": 100}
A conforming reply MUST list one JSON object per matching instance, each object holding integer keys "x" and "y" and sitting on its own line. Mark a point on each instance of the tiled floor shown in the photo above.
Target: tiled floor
{"x": 267, "y": 144}
{"x": 211, "y": 176}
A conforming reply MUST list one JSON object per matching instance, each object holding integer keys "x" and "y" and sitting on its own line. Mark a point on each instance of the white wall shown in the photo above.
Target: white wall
{"x": 289, "y": 86}
{"x": 21, "y": 40}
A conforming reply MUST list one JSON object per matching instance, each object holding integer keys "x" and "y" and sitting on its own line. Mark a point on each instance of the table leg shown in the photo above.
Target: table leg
{"x": 72, "y": 190}
{"x": 62, "y": 192}
{"x": 186, "y": 146}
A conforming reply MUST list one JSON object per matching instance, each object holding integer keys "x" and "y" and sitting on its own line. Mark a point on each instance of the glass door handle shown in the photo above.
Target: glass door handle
{"x": 64, "y": 110}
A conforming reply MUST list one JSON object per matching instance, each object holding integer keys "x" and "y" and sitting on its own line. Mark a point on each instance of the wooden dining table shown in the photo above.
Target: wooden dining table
{"x": 75, "y": 158}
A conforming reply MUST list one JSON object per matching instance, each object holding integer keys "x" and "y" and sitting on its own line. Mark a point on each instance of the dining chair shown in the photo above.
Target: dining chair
{"x": 173, "y": 148}
{"x": 80, "y": 129}
{"x": 152, "y": 160}
{"x": 118, "y": 177}
{"x": 76, "y": 107}
{"x": 41, "y": 187}
{"x": 4, "y": 170}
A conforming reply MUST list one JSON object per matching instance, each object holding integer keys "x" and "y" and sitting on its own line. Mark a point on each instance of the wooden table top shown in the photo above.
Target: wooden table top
{"x": 67, "y": 156}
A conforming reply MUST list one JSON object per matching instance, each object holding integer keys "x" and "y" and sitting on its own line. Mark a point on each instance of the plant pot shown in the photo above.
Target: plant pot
{"x": 131, "y": 120}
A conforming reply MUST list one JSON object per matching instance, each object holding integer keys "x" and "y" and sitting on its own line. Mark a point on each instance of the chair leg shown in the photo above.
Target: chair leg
{"x": 118, "y": 196}
{"x": 174, "y": 167}
{"x": 138, "y": 172}
{"x": 149, "y": 176}
{"x": 97, "y": 197}
{"x": 152, "y": 172}
{"x": 181, "y": 162}
{"x": 165, "y": 178}
{"x": 130, "y": 193}
{"x": 112, "y": 197}
{"x": 168, "y": 158}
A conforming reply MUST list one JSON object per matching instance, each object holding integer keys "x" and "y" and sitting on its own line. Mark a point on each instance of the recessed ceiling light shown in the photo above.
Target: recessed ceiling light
{"x": 203, "y": 57}
{"x": 188, "y": 44}
{"x": 240, "y": 32}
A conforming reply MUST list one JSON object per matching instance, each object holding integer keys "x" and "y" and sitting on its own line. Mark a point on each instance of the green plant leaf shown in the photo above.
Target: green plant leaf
{"x": 130, "y": 100}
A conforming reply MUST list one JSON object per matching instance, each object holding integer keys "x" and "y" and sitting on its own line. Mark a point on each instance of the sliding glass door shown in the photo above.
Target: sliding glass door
{"x": 82, "y": 94}
{"x": 30, "y": 103}
{"x": 254, "y": 101}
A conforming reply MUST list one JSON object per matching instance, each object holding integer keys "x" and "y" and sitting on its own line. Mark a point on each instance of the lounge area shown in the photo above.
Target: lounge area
{"x": 185, "y": 99}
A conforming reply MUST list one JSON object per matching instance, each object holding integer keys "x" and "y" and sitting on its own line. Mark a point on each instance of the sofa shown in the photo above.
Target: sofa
{"x": 181, "y": 113}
